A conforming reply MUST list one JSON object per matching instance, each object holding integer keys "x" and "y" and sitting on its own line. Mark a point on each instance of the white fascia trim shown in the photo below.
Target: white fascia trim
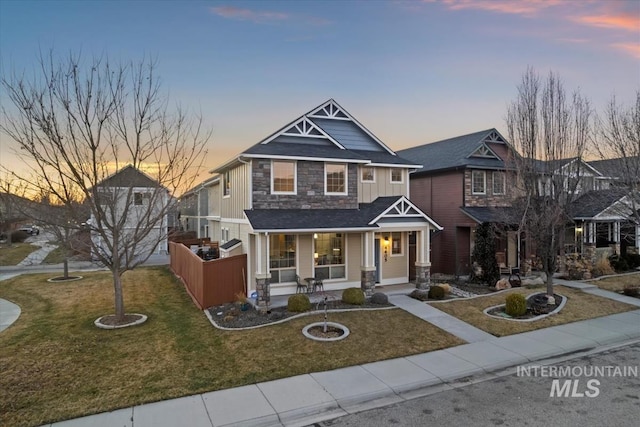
{"x": 213, "y": 217}
{"x": 395, "y": 165}
{"x": 287, "y": 126}
{"x": 420, "y": 214}
{"x": 313, "y": 159}
{"x": 314, "y": 230}
{"x": 234, "y": 220}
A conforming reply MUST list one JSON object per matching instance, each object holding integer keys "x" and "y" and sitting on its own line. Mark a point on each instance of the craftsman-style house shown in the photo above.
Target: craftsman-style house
{"x": 322, "y": 198}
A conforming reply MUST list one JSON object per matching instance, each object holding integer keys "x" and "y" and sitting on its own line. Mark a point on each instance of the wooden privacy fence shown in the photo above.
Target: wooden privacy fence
{"x": 209, "y": 282}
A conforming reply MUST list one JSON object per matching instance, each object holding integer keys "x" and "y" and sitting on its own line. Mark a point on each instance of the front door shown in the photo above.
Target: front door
{"x": 376, "y": 258}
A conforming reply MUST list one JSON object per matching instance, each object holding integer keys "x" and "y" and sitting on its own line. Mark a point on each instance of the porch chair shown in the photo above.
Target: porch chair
{"x": 301, "y": 287}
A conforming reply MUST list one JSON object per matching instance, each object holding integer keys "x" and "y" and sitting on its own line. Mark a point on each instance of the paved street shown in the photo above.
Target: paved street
{"x": 521, "y": 401}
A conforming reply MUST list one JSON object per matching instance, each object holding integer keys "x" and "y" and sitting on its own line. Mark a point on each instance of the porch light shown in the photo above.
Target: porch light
{"x": 315, "y": 235}
{"x": 578, "y": 229}
{"x": 315, "y": 255}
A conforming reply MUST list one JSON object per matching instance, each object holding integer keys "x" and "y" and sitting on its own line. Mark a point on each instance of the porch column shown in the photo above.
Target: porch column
{"x": 616, "y": 237}
{"x": 263, "y": 277}
{"x": 638, "y": 239}
{"x": 590, "y": 242}
{"x": 423, "y": 259}
{"x": 368, "y": 266}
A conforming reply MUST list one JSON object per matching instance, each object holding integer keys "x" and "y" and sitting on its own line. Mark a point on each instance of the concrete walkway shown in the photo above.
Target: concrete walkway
{"x": 9, "y": 313}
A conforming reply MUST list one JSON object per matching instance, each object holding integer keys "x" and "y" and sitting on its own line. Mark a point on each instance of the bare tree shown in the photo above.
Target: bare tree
{"x": 77, "y": 123}
{"x": 551, "y": 133}
{"x": 618, "y": 138}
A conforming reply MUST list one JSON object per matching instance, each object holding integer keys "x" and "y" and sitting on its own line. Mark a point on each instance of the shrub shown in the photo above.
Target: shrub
{"x": 353, "y": 296}
{"x": 18, "y": 236}
{"x": 484, "y": 254}
{"x": 298, "y": 303}
{"x": 602, "y": 267}
{"x": 379, "y": 298}
{"x": 618, "y": 263}
{"x": 436, "y": 292}
{"x": 633, "y": 260}
{"x": 515, "y": 305}
{"x": 445, "y": 286}
{"x": 631, "y": 290}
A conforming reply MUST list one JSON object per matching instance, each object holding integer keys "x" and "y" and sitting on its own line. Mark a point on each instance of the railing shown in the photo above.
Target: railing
{"x": 209, "y": 283}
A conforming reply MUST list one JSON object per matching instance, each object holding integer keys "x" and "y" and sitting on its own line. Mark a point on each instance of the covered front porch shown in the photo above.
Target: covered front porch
{"x": 362, "y": 248}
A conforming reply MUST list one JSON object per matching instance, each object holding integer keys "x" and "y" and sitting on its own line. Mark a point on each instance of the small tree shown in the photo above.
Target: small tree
{"x": 551, "y": 133}
{"x": 484, "y": 253}
{"x": 75, "y": 124}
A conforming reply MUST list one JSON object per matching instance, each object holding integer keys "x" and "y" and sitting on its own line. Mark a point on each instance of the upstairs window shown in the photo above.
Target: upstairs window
{"x": 478, "y": 182}
{"x": 140, "y": 199}
{"x": 396, "y": 176}
{"x": 226, "y": 183}
{"x": 283, "y": 177}
{"x": 498, "y": 182}
{"x": 368, "y": 174}
{"x": 335, "y": 178}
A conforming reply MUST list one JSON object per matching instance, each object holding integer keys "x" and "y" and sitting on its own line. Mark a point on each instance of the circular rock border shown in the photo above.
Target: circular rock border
{"x": 61, "y": 279}
{"x": 533, "y": 319}
{"x": 141, "y": 320}
{"x": 305, "y": 331}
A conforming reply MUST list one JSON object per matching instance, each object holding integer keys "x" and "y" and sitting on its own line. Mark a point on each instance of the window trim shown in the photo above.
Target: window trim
{"x": 343, "y": 265}
{"x": 226, "y": 184}
{"x": 346, "y": 180}
{"x": 502, "y": 175}
{"x": 373, "y": 170}
{"x": 401, "y": 253}
{"x": 295, "y": 177}
{"x": 391, "y": 176}
{"x": 484, "y": 182}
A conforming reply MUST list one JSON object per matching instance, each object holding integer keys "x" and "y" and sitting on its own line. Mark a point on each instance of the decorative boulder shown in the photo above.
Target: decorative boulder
{"x": 502, "y": 284}
{"x": 379, "y": 298}
{"x": 420, "y": 294}
{"x": 532, "y": 281}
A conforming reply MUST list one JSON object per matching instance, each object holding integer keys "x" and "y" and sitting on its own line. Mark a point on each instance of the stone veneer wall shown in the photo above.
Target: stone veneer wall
{"x": 310, "y": 188}
{"x": 480, "y": 200}
{"x": 368, "y": 281}
{"x": 263, "y": 289}
{"x": 423, "y": 277}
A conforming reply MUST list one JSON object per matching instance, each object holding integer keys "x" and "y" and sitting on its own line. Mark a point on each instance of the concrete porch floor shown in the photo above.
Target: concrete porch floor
{"x": 317, "y": 297}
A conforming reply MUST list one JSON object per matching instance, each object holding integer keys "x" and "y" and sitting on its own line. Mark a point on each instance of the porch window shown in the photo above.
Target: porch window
{"x": 396, "y": 176}
{"x": 329, "y": 256}
{"x": 335, "y": 178}
{"x": 396, "y": 243}
{"x": 283, "y": 177}
{"x": 498, "y": 182}
{"x": 368, "y": 174}
{"x": 282, "y": 258}
{"x": 478, "y": 182}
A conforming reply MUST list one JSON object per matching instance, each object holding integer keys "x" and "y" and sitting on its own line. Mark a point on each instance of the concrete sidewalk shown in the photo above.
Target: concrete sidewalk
{"x": 307, "y": 399}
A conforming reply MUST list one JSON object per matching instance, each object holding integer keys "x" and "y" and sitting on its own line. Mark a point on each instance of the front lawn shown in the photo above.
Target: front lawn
{"x": 57, "y": 365}
{"x": 579, "y": 306}
{"x": 14, "y": 253}
{"x": 617, "y": 283}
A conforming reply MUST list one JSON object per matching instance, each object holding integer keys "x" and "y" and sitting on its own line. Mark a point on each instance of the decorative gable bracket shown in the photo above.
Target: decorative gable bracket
{"x": 403, "y": 208}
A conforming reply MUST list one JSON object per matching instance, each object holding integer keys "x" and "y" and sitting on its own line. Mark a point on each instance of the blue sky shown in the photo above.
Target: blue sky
{"x": 412, "y": 72}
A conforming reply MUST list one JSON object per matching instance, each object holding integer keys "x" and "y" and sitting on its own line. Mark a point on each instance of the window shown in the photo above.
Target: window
{"x": 283, "y": 177}
{"x": 329, "y": 256}
{"x": 226, "y": 182}
{"x": 396, "y": 243}
{"x": 224, "y": 235}
{"x": 396, "y": 175}
{"x": 368, "y": 174}
{"x": 140, "y": 199}
{"x": 282, "y": 258}
{"x": 335, "y": 178}
{"x": 478, "y": 182}
{"x": 498, "y": 183}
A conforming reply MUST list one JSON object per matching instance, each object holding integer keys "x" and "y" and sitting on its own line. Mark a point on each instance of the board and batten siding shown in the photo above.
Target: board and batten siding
{"x": 369, "y": 191}
{"x": 233, "y": 205}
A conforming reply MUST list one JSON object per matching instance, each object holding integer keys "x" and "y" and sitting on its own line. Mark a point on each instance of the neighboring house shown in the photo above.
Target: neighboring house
{"x": 465, "y": 181}
{"x": 194, "y": 208}
{"x": 144, "y": 201}
{"x": 322, "y": 197}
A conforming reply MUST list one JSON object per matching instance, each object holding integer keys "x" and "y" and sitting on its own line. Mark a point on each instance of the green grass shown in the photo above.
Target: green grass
{"x": 14, "y": 253}
{"x": 57, "y": 365}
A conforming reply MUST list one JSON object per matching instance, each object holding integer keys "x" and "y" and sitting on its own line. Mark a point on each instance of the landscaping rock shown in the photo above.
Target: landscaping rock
{"x": 379, "y": 298}
{"x": 420, "y": 294}
{"x": 502, "y": 284}
{"x": 532, "y": 281}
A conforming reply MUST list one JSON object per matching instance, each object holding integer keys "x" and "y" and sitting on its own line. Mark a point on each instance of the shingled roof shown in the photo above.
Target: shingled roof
{"x": 327, "y": 132}
{"x": 363, "y": 218}
{"x": 456, "y": 152}
{"x": 593, "y": 203}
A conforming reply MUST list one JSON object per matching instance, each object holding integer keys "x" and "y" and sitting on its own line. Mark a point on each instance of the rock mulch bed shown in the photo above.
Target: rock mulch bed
{"x": 230, "y": 315}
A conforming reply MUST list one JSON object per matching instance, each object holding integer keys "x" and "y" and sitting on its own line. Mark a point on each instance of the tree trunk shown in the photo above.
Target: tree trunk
{"x": 117, "y": 287}
{"x": 66, "y": 268}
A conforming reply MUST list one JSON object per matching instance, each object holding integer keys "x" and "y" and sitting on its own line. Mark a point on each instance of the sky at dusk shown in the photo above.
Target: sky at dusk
{"x": 412, "y": 72}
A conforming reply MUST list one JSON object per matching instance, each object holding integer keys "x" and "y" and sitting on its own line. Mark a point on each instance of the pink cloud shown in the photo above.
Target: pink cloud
{"x": 625, "y": 22}
{"x": 630, "y": 48}
{"x": 231, "y": 12}
{"x": 521, "y": 7}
